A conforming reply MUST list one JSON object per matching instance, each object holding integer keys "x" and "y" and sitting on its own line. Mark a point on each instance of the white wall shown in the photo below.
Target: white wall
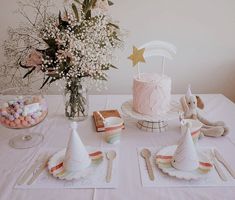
{"x": 203, "y": 32}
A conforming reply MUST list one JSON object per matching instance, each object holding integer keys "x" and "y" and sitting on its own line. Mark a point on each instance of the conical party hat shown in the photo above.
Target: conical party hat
{"x": 189, "y": 92}
{"x": 185, "y": 156}
{"x": 76, "y": 156}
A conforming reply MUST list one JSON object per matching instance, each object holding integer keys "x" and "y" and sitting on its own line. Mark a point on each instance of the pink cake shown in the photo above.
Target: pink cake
{"x": 151, "y": 94}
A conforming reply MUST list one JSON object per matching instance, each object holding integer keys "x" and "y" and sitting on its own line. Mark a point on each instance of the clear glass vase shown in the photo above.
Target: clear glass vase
{"x": 76, "y": 101}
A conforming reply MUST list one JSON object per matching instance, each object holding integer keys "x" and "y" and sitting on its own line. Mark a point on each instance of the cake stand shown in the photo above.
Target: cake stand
{"x": 157, "y": 123}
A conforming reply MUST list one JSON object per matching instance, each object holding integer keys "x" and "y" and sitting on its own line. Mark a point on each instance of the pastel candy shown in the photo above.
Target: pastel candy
{"x": 11, "y": 102}
{"x": 12, "y": 112}
{"x": 36, "y": 99}
{"x": 24, "y": 113}
{"x": 37, "y": 115}
{"x": 27, "y": 101}
{"x": 16, "y": 115}
{"x": 17, "y": 121}
{"x": 11, "y": 118}
{"x": 21, "y": 118}
{"x": 21, "y": 105}
{"x": 42, "y": 101}
{"x": 40, "y": 98}
{"x": 28, "y": 118}
{"x": 3, "y": 109}
{"x": 12, "y": 124}
{"x": 4, "y": 113}
{"x": 20, "y": 111}
{"x": 17, "y": 107}
{"x": 24, "y": 123}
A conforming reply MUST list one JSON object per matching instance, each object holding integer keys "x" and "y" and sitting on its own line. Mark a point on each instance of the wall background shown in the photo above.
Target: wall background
{"x": 203, "y": 32}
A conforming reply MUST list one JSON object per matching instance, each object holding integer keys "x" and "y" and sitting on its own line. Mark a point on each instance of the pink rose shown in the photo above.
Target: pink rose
{"x": 34, "y": 59}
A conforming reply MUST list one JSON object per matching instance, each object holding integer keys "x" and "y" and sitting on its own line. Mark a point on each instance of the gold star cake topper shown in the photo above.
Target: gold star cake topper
{"x": 137, "y": 56}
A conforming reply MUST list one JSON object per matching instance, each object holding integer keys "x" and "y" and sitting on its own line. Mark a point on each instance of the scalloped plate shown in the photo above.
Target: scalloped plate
{"x": 163, "y": 161}
{"x": 175, "y": 108}
{"x": 55, "y": 165}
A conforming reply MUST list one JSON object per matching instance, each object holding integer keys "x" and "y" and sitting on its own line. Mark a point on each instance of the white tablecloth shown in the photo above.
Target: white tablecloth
{"x": 56, "y": 131}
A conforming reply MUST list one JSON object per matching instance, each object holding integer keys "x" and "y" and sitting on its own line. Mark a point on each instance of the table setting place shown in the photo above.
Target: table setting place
{"x": 76, "y": 166}
{"x": 177, "y": 140}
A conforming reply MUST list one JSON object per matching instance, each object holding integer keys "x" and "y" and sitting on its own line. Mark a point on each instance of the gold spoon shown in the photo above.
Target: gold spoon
{"x": 146, "y": 154}
{"x": 111, "y": 155}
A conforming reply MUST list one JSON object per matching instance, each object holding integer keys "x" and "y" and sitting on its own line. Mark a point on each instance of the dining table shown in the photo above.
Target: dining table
{"x": 56, "y": 130}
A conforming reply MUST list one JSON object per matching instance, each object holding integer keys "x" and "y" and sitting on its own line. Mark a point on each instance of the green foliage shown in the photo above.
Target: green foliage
{"x": 62, "y": 24}
{"x": 75, "y": 10}
{"x": 45, "y": 82}
{"x": 110, "y": 3}
{"x": 29, "y": 72}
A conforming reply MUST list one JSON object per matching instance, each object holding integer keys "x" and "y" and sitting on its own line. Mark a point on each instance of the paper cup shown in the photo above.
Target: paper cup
{"x": 113, "y": 127}
{"x": 195, "y": 129}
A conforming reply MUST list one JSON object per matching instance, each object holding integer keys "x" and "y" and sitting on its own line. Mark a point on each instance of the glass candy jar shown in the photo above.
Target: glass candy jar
{"x": 21, "y": 108}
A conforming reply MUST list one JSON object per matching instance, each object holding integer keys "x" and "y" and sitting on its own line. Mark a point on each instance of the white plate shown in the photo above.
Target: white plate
{"x": 164, "y": 163}
{"x": 55, "y": 166}
{"x": 173, "y": 112}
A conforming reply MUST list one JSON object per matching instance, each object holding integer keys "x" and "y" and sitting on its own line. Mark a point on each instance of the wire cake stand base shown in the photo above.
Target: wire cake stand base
{"x": 160, "y": 126}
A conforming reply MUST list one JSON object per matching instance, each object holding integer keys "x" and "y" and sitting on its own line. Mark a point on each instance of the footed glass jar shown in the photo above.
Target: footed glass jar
{"x": 76, "y": 101}
{"x": 21, "y": 108}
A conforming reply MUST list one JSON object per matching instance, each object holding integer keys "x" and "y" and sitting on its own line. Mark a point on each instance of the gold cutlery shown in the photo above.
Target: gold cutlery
{"x": 218, "y": 168}
{"x": 146, "y": 154}
{"x": 224, "y": 162}
{"x": 42, "y": 166}
{"x": 30, "y": 170}
{"x": 111, "y": 155}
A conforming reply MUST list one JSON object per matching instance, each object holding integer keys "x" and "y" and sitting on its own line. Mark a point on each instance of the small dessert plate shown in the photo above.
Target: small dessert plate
{"x": 55, "y": 166}
{"x": 163, "y": 161}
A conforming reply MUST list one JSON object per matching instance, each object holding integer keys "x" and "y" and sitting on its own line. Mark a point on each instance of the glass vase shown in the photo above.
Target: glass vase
{"x": 76, "y": 101}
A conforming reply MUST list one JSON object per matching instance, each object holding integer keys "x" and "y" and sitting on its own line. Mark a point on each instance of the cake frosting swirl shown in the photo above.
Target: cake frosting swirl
{"x": 151, "y": 94}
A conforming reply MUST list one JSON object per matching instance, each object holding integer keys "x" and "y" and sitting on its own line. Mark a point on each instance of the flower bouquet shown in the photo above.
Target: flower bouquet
{"x": 74, "y": 45}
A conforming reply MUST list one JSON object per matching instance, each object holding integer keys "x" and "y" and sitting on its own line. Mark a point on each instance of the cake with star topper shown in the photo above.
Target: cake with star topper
{"x": 152, "y": 91}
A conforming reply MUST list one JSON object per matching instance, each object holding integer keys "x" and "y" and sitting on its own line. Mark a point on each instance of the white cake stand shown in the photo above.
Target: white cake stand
{"x": 157, "y": 123}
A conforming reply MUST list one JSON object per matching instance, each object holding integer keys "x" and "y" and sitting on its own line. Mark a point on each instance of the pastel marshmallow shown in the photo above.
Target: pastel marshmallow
{"x": 12, "y": 124}
{"x": 24, "y": 123}
{"x": 16, "y": 115}
{"x": 17, "y": 121}
{"x": 11, "y": 118}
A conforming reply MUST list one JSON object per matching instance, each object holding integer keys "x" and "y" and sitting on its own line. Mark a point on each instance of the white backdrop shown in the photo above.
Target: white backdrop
{"x": 203, "y": 32}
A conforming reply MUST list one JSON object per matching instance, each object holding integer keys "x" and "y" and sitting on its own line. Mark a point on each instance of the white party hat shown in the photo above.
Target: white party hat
{"x": 189, "y": 92}
{"x": 76, "y": 156}
{"x": 185, "y": 156}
